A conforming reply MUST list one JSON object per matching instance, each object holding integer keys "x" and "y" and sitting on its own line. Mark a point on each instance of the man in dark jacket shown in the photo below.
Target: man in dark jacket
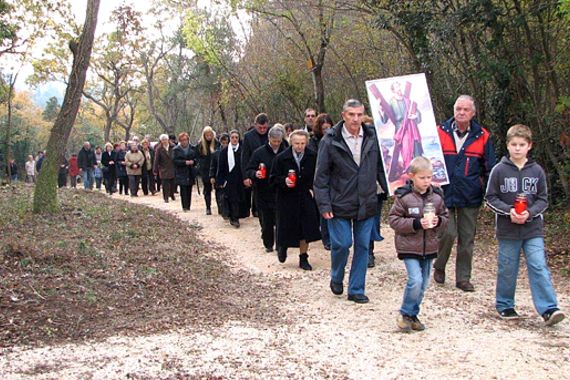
{"x": 349, "y": 167}
{"x": 87, "y": 161}
{"x": 264, "y": 192}
{"x": 252, "y": 140}
{"x": 469, "y": 158}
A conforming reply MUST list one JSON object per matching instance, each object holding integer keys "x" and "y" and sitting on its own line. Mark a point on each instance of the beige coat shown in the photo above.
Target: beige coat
{"x": 132, "y": 159}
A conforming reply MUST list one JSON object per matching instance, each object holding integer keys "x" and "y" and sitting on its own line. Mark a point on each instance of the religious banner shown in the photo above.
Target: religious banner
{"x": 405, "y": 124}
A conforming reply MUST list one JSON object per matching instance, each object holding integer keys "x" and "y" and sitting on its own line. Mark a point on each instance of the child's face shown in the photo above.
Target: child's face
{"x": 518, "y": 148}
{"x": 422, "y": 180}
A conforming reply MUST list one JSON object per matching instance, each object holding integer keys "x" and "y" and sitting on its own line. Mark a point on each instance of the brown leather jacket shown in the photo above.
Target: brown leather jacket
{"x": 412, "y": 241}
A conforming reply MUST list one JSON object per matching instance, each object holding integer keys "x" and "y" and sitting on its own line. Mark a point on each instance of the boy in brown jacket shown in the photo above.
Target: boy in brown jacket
{"x": 417, "y": 215}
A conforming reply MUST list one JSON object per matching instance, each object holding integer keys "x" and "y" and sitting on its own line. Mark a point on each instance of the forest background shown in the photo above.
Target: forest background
{"x": 180, "y": 65}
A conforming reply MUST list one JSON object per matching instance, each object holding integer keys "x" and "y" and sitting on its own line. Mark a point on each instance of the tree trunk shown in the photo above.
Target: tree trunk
{"x": 45, "y": 194}
{"x": 319, "y": 88}
{"x": 12, "y": 83}
{"x": 108, "y": 126}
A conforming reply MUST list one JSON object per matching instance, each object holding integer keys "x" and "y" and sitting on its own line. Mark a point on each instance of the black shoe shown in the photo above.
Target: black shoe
{"x": 371, "y": 261}
{"x": 509, "y": 313}
{"x": 255, "y": 214}
{"x": 208, "y": 211}
{"x": 336, "y": 288}
{"x": 358, "y": 298}
{"x": 282, "y": 254}
{"x": 235, "y": 223}
{"x": 552, "y": 317}
{"x": 268, "y": 249}
{"x": 304, "y": 262}
{"x": 466, "y": 286}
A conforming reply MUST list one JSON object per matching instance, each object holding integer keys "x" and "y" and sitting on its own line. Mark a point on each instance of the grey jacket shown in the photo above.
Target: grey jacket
{"x": 341, "y": 186}
{"x": 505, "y": 182}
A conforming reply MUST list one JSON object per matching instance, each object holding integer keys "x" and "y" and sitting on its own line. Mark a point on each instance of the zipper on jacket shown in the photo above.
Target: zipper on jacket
{"x": 466, "y": 166}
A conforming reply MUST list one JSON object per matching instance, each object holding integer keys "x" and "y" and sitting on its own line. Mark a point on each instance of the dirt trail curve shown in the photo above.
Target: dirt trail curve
{"x": 329, "y": 337}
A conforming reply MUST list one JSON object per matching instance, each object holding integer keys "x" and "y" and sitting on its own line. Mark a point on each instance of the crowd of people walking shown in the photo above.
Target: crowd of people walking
{"x": 326, "y": 181}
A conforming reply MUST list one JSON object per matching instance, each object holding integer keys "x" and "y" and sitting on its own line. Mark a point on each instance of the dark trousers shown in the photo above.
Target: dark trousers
{"x": 148, "y": 182}
{"x": 98, "y": 181}
{"x": 232, "y": 209}
{"x": 267, "y": 219}
{"x": 220, "y": 201}
{"x": 186, "y": 196}
{"x": 248, "y": 195}
{"x": 134, "y": 181}
{"x": 110, "y": 179}
{"x": 124, "y": 185}
{"x": 62, "y": 179}
{"x": 207, "y": 192}
{"x": 167, "y": 189}
{"x": 158, "y": 182}
{"x": 73, "y": 180}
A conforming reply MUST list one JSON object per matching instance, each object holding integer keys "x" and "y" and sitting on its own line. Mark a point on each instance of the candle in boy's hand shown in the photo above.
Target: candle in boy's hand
{"x": 520, "y": 203}
{"x": 429, "y": 214}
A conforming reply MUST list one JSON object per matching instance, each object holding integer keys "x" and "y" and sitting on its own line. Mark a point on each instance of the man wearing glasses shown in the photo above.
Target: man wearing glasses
{"x": 310, "y": 116}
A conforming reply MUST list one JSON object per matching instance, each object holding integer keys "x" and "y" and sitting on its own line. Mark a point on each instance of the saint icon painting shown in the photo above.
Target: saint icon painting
{"x": 406, "y": 127}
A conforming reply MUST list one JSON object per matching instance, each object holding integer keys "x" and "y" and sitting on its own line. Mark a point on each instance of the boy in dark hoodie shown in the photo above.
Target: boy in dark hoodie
{"x": 518, "y": 176}
{"x": 417, "y": 216}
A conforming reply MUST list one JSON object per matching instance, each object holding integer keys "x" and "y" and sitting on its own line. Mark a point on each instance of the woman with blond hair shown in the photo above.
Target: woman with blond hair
{"x": 205, "y": 148}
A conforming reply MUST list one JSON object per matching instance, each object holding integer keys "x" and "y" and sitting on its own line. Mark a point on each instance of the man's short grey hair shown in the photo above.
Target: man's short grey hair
{"x": 299, "y": 132}
{"x": 163, "y": 137}
{"x": 276, "y": 132}
{"x": 466, "y": 97}
{"x": 352, "y": 103}
{"x": 86, "y": 143}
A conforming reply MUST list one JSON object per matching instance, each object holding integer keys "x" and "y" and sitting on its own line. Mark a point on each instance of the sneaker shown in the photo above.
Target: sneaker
{"x": 405, "y": 323}
{"x": 552, "y": 317}
{"x": 509, "y": 314}
{"x": 417, "y": 325}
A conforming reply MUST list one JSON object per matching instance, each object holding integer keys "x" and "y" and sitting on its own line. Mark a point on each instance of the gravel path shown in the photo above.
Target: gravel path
{"x": 327, "y": 337}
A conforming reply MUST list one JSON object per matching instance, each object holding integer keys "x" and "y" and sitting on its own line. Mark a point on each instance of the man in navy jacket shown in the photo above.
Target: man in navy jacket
{"x": 469, "y": 158}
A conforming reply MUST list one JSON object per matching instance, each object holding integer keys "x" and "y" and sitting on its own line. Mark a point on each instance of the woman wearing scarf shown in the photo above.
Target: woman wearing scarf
{"x": 230, "y": 179}
{"x": 292, "y": 175}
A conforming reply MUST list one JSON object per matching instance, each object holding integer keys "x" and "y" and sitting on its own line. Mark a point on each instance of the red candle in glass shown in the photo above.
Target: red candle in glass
{"x": 262, "y": 171}
{"x": 292, "y": 177}
{"x": 520, "y": 203}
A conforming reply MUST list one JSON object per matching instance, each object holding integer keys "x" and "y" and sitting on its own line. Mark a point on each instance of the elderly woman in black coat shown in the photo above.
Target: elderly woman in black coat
{"x": 297, "y": 215}
{"x": 230, "y": 178}
{"x": 184, "y": 157}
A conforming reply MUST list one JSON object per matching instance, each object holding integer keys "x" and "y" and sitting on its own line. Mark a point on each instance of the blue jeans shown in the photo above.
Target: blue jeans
{"x": 325, "y": 232}
{"x": 418, "y": 281}
{"x": 87, "y": 177}
{"x": 541, "y": 288}
{"x": 341, "y": 233}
